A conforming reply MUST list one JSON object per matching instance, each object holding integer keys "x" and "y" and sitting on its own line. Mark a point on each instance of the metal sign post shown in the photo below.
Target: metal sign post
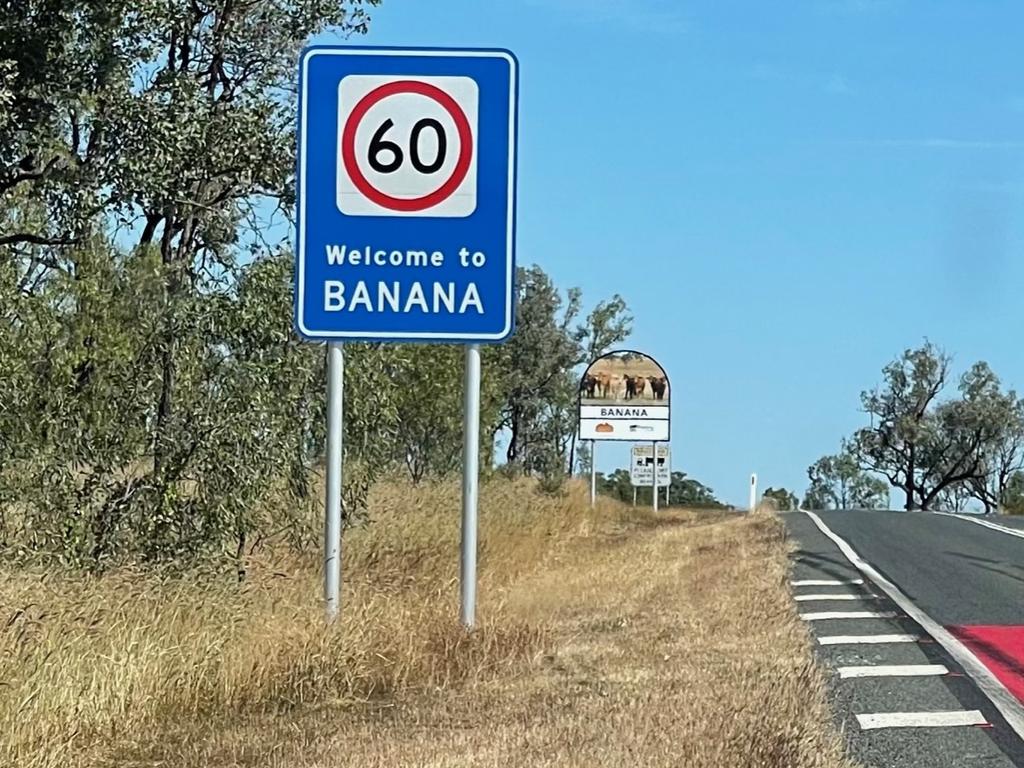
{"x": 655, "y": 474}
{"x": 470, "y": 483}
{"x": 332, "y": 506}
{"x": 593, "y": 474}
{"x": 405, "y": 226}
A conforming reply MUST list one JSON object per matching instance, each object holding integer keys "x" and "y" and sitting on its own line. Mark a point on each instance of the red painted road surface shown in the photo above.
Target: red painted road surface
{"x": 1001, "y": 649}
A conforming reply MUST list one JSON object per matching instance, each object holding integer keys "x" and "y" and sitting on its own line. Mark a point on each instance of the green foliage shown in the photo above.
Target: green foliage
{"x": 784, "y": 500}
{"x": 837, "y": 482}
{"x": 683, "y": 491}
{"x": 538, "y": 366}
{"x": 1012, "y": 501}
{"x": 941, "y": 451}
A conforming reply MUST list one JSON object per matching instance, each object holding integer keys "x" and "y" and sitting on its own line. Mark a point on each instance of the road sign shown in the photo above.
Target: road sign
{"x": 625, "y": 395}
{"x": 641, "y": 468}
{"x": 406, "y": 194}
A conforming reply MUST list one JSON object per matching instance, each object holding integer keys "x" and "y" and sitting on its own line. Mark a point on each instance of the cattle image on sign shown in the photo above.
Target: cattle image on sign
{"x": 406, "y": 194}
{"x": 624, "y": 395}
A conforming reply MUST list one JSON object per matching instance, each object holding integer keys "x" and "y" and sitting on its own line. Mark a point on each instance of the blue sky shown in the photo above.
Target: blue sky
{"x": 787, "y": 195}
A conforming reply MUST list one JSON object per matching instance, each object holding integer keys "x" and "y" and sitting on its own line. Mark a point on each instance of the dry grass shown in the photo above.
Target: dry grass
{"x": 607, "y": 638}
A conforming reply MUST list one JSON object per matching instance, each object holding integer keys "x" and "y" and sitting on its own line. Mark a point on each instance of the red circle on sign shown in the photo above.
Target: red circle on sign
{"x": 439, "y": 195}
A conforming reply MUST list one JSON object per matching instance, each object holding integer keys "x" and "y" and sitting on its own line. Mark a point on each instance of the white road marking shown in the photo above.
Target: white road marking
{"x": 809, "y": 598}
{"x": 1004, "y": 701}
{"x": 921, "y": 719}
{"x": 894, "y": 670}
{"x": 867, "y": 639}
{"x": 827, "y": 582}
{"x": 823, "y": 615}
{"x": 986, "y": 523}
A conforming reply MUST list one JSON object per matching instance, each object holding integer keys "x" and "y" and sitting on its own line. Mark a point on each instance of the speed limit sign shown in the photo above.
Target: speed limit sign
{"x": 407, "y": 146}
{"x": 406, "y": 194}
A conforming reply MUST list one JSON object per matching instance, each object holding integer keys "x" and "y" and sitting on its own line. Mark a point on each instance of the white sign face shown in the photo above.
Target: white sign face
{"x": 641, "y": 468}
{"x": 625, "y": 396}
{"x": 408, "y": 146}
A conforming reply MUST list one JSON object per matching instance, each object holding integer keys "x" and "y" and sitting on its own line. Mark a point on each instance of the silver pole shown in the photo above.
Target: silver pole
{"x": 655, "y": 494}
{"x": 470, "y": 482}
{"x": 593, "y": 474}
{"x": 332, "y": 506}
{"x": 634, "y": 495}
{"x": 753, "y": 492}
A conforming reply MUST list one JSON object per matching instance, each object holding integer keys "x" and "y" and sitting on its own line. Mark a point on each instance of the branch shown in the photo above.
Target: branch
{"x": 32, "y": 239}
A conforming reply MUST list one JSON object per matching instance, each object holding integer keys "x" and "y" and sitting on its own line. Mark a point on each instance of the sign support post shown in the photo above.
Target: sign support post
{"x": 332, "y": 506}
{"x": 593, "y": 474}
{"x": 470, "y": 483}
{"x": 655, "y": 473}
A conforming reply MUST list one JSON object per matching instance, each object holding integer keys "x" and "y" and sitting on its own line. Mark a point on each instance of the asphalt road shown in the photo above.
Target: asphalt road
{"x": 961, "y": 574}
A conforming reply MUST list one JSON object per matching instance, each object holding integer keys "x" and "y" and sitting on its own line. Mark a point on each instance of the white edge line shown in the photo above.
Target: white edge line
{"x": 893, "y": 670}
{"x": 854, "y": 596}
{"x": 921, "y": 719}
{"x": 997, "y": 693}
{"x": 867, "y": 639}
{"x": 825, "y": 615}
{"x": 986, "y": 523}
{"x": 510, "y": 247}
{"x": 827, "y": 583}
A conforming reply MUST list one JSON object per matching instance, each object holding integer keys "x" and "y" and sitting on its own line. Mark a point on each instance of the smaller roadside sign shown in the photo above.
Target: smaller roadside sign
{"x": 641, "y": 468}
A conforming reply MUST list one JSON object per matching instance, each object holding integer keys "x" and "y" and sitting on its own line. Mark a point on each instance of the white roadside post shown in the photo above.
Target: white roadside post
{"x": 470, "y": 483}
{"x": 753, "y": 491}
{"x": 655, "y": 473}
{"x": 332, "y": 506}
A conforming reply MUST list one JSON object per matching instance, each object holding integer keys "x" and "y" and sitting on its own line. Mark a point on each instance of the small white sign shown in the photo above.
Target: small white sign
{"x": 641, "y": 468}
{"x": 628, "y": 412}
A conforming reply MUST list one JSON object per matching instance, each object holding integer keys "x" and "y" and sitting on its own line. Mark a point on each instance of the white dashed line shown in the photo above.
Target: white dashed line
{"x": 921, "y": 719}
{"x": 809, "y": 598}
{"x": 895, "y": 670}
{"x": 827, "y": 582}
{"x": 867, "y": 639}
{"x": 823, "y": 615}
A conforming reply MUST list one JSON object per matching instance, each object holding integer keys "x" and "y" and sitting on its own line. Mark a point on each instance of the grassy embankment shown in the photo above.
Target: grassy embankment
{"x": 607, "y": 638}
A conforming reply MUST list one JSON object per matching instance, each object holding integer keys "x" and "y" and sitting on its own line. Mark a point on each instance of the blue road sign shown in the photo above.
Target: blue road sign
{"x": 406, "y": 194}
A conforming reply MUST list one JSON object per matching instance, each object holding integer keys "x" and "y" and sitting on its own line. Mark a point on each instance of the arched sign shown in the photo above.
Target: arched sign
{"x": 625, "y": 395}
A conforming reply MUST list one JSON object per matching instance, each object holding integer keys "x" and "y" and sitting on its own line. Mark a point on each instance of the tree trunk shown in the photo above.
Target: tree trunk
{"x": 165, "y": 407}
{"x": 512, "y": 454}
{"x": 910, "y": 486}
